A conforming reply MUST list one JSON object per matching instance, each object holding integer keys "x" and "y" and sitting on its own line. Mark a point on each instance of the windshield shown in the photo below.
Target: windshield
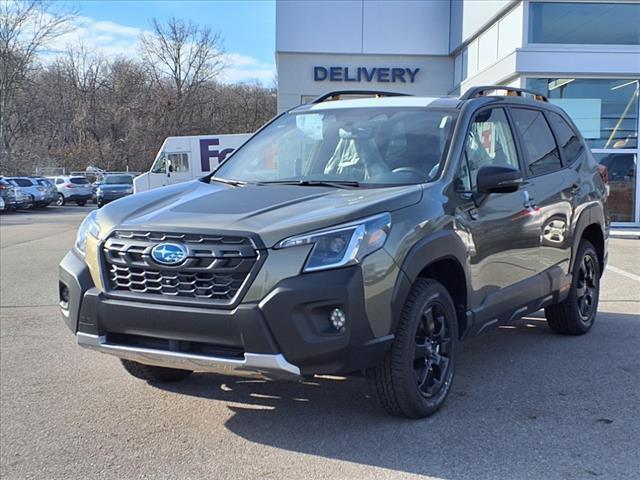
{"x": 371, "y": 146}
{"x": 118, "y": 179}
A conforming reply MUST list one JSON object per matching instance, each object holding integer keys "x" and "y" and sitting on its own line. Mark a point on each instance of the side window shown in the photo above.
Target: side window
{"x": 59, "y": 181}
{"x": 538, "y": 142}
{"x": 159, "y": 165}
{"x": 567, "y": 138}
{"x": 489, "y": 142}
{"x": 179, "y": 162}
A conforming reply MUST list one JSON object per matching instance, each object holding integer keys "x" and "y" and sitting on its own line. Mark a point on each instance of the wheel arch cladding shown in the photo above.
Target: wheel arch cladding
{"x": 441, "y": 257}
{"x": 591, "y": 227}
{"x": 593, "y": 233}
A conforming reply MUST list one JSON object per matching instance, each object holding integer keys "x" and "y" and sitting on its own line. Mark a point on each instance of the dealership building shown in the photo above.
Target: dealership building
{"x": 583, "y": 55}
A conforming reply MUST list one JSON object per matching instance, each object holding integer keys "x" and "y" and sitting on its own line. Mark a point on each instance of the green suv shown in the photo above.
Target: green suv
{"x": 348, "y": 236}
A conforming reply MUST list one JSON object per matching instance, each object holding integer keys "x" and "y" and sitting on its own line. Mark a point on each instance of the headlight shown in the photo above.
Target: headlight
{"x": 344, "y": 244}
{"x": 89, "y": 226}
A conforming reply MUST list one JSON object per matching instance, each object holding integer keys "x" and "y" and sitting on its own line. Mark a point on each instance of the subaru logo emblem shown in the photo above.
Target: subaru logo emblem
{"x": 169, "y": 253}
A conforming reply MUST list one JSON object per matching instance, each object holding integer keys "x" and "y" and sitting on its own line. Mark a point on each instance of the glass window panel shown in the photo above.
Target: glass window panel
{"x": 567, "y": 139}
{"x": 537, "y": 139}
{"x": 604, "y": 110}
{"x": 584, "y": 23}
{"x": 489, "y": 142}
{"x": 622, "y": 171}
{"x": 179, "y": 162}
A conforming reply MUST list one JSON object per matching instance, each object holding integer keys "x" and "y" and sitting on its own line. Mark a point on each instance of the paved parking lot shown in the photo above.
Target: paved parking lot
{"x": 526, "y": 404}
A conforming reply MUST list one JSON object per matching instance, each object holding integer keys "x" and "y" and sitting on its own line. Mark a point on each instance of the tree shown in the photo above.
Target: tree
{"x": 182, "y": 59}
{"x": 26, "y": 26}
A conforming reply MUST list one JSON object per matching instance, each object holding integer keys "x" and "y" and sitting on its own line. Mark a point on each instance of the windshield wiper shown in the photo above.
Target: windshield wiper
{"x": 314, "y": 183}
{"x": 235, "y": 183}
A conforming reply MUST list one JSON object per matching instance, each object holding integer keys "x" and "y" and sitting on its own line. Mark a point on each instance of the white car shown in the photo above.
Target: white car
{"x": 72, "y": 189}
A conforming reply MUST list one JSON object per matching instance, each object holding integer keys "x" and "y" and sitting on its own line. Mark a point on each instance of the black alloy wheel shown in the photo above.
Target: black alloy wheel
{"x": 576, "y": 314}
{"x": 432, "y": 350}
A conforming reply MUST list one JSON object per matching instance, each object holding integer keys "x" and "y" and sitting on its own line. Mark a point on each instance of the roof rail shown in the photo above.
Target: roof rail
{"x": 339, "y": 93}
{"x": 511, "y": 92}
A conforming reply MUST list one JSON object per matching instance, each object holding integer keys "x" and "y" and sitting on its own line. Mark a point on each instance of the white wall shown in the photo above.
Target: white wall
{"x": 321, "y": 26}
{"x": 484, "y": 54}
{"x": 406, "y": 27}
{"x": 356, "y": 26}
{"x": 468, "y": 17}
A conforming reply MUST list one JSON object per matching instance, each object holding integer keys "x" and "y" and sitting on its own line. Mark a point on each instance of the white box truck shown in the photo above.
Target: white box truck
{"x": 185, "y": 158}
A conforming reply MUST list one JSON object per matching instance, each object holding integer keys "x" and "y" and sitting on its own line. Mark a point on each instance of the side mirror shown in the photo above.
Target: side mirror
{"x": 498, "y": 179}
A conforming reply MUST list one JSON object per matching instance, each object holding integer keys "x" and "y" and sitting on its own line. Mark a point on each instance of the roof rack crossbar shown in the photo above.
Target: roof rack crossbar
{"x": 338, "y": 93}
{"x": 511, "y": 91}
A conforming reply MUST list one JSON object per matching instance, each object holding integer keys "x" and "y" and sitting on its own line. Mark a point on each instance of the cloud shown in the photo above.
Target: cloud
{"x": 113, "y": 40}
{"x": 242, "y": 68}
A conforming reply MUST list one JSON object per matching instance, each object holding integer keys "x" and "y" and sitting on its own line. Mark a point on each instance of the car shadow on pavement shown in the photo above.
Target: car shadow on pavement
{"x": 526, "y": 403}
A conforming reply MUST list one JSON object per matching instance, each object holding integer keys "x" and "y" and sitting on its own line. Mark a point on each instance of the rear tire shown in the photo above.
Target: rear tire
{"x": 576, "y": 314}
{"x": 416, "y": 375}
{"x": 153, "y": 374}
{"x": 60, "y": 200}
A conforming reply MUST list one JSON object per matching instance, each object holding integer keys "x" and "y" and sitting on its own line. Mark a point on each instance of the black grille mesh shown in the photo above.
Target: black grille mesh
{"x": 216, "y": 268}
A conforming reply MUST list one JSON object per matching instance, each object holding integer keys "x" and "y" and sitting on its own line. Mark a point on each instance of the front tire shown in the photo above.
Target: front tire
{"x": 416, "y": 375}
{"x": 576, "y": 314}
{"x": 153, "y": 374}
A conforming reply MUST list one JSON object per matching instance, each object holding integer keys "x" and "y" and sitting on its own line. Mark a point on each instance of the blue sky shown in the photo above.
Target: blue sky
{"x": 248, "y": 28}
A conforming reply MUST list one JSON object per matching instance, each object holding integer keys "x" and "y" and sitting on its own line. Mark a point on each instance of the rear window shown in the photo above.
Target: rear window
{"x": 118, "y": 179}
{"x": 22, "y": 182}
{"x": 542, "y": 153}
{"x": 567, "y": 138}
{"x": 79, "y": 181}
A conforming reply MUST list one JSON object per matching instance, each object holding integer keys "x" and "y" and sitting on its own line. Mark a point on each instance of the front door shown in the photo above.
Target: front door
{"x": 501, "y": 229}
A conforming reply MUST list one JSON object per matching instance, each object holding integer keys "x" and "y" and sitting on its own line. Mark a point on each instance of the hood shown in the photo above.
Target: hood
{"x": 273, "y": 212}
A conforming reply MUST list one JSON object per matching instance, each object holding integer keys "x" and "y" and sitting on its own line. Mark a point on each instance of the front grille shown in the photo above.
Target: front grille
{"x": 216, "y": 269}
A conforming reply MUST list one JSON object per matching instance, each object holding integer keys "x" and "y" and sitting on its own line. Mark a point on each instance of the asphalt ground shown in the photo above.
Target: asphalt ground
{"x": 526, "y": 403}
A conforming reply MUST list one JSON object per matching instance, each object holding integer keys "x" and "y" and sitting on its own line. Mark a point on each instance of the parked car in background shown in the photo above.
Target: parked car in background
{"x": 41, "y": 197}
{"x": 14, "y": 196}
{"x": 72, "y": 189}
{"x": 114, "y": 187}
{"x": 8, "y": 195}
{"x": 2, "y": 205}
{"x": 49, "y": 188}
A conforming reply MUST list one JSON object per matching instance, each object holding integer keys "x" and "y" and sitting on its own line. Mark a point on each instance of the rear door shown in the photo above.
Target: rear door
{"x": 552, "y": 187}
{"x": 500, "y": 229}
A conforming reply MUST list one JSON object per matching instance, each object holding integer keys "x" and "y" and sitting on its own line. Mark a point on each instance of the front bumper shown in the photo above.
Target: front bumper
{"x": 288, "y": 332}
{"x": 111, "y": 196}
{"x": 77, "y": 197}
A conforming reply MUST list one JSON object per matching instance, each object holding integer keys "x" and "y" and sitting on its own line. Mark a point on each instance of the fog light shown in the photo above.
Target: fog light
{"x": 64, "y": 296}
{"x": 338, "y": 319}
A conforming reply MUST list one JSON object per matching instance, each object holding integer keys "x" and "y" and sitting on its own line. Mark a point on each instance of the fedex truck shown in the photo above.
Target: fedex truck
{"x": 186, "y": 158}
